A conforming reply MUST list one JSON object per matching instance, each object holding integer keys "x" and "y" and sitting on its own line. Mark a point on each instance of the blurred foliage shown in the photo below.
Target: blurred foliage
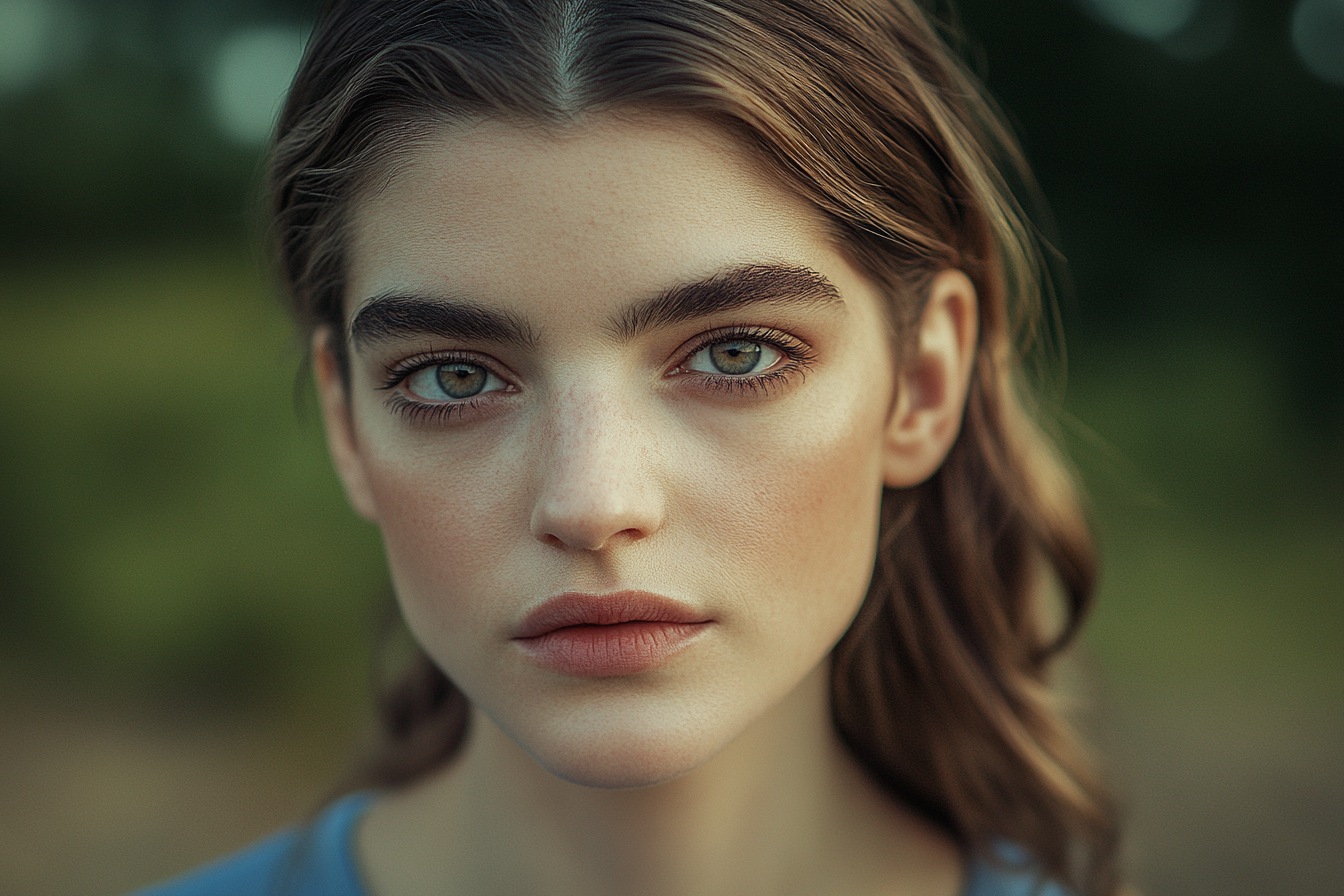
{"x": 168, "y": 518}
{"x": 172, "y": 523}
{"x": 1221, "y": 522}
{"x": 1193, "y": 196}
{"x": 116, "y": 140}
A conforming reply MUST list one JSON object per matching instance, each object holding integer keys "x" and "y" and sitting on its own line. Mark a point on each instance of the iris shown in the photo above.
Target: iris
{"x": 735, "y": 357}
{"x": 460, "y": 380}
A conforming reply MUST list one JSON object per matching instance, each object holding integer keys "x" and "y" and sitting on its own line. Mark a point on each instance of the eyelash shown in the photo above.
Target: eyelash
{"x": 429, "y": 413}
{"x": 797, "y": 360}
{"x": 797, "y": 355}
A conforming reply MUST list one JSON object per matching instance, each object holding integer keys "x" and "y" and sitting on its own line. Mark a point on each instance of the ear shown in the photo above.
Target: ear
{"x": 338, "y": 420}
{"x": 933, "y": 382}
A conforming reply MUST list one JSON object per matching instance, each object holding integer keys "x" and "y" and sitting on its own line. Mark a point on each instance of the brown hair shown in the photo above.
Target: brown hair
{"x": 939, "y": 686}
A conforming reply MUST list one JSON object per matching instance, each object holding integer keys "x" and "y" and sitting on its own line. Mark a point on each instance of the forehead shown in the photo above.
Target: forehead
{"x": 610, "y": 206}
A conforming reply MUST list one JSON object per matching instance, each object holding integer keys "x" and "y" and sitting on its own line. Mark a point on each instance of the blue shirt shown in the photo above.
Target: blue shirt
{"x": 318, "y": 860}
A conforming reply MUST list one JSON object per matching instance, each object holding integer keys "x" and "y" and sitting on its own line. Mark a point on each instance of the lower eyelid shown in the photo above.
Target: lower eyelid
{"x": 429, "y": 412}
{"x": 757, "y": 384}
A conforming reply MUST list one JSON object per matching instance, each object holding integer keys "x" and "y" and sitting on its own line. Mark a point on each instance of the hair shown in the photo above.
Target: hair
{"x": 939, "y": 687}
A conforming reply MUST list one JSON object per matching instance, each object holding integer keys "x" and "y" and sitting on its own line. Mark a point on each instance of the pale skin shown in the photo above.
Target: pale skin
{"x": 596, "y": 458}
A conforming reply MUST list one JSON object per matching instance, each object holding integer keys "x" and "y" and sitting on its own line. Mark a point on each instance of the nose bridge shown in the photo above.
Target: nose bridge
{"x": 596, "y": 479}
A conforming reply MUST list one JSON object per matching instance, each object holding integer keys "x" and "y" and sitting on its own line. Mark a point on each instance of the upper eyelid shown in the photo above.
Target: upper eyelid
{"x": 398, "y": 372}
{"x": 790, "y": 345}
{"x": 787, "y": 343}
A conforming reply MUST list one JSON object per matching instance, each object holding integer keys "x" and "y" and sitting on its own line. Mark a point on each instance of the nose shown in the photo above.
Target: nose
{"x": 599, "y": 484}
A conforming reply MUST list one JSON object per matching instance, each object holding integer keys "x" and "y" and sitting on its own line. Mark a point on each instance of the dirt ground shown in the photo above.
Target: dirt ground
{"x": 99, "y": 795}
{"x": 1232, "y": 798}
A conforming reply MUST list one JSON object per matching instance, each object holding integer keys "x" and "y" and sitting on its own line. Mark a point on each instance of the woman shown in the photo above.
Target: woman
{"x": 674, "y": 349}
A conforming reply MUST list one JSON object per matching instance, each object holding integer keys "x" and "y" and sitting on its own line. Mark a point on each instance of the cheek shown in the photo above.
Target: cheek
{"x": 796, "y": 507}
{"x": 448, "y": 516}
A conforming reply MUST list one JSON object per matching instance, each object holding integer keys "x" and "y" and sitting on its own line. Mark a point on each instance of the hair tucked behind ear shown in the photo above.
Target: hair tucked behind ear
{"x": 939, "y": 688}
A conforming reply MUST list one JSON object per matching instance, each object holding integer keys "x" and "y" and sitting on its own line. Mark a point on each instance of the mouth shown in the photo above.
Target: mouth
{"x": 607, "y": 635}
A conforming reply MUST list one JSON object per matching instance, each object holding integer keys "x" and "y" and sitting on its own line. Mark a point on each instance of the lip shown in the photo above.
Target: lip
{"x": 606, "y": 635}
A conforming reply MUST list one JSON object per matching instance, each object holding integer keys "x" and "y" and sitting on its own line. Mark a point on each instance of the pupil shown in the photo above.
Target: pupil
{"x": 735, "y": 357}
{"x": 461, "y": 380}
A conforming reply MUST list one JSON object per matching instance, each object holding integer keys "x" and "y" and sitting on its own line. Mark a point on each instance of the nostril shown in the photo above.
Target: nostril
{"x": 580, "y": 540}
{"x": 592, "y": 494}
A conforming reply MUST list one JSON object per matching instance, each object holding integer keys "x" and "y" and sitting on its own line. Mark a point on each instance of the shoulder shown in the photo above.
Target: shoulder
{"x": 1008, "y": 873}
{"x": 314, "y": 860}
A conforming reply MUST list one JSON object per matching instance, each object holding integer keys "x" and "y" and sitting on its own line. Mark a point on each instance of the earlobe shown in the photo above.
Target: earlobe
{"x": 933, "y": 382}
{"x": 338, "y": 421}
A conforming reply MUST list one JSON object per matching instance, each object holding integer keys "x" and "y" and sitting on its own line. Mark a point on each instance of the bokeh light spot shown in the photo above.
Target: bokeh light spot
{"x": 252, "y": 71}
{"x": 27, "y": 35}
{"x": 1318, "y": 38}
{"x": 1148, "y": 19}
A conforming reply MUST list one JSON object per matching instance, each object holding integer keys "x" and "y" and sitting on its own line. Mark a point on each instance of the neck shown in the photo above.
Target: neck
{"x": 782, "y": 808}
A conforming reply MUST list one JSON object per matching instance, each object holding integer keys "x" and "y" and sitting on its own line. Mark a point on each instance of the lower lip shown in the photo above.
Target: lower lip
{"x": 604, "y": 651}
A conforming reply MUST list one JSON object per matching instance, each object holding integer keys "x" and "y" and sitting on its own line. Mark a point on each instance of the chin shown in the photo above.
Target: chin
{"x": 640, "y": 750}
{"x": 621, "y": 769}
{"x": 627, "y": 770}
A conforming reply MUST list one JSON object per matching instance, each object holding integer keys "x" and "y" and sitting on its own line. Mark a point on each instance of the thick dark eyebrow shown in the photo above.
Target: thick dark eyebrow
{"x": 399, "y": 316}
{"x": 393, "y": 316}
{"x": 752, "y": 284}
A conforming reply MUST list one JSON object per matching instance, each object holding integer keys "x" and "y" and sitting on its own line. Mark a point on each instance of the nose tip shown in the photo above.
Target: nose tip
{"x": 599, "y": 487}
{"x": 591, "y": 512}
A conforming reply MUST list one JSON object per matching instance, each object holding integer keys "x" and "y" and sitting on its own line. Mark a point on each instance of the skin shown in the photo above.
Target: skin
{"x": 598, "y": 463}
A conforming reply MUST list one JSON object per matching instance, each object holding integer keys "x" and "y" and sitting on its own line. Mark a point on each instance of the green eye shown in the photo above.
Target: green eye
{"x": 460, "y": 380}
{"x": 452, "y": 381}
{"x": 734, "y": 357}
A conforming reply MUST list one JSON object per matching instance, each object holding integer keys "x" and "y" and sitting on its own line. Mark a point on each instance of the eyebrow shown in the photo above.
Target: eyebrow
{"x": 392, "y": 316}
{"x": 739, "y": 287}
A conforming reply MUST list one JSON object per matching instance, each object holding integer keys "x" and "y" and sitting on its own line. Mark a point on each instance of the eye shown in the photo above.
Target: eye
{"x": 734, "y": 357}
{"x": 452, "y": 381}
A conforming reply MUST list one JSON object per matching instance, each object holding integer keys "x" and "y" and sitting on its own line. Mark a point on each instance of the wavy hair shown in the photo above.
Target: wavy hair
{"x": 939, "y": 687}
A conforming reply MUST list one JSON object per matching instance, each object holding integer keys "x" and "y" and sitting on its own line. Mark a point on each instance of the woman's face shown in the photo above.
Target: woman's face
{"x": 618, "y": 407}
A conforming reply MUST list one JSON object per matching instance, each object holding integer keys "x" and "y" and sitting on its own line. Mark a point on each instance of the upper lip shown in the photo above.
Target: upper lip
{"x": 575, "y": 608}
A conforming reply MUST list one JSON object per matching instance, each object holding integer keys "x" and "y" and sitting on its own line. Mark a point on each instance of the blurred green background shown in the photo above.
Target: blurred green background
{"x": 186, "y": 604}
